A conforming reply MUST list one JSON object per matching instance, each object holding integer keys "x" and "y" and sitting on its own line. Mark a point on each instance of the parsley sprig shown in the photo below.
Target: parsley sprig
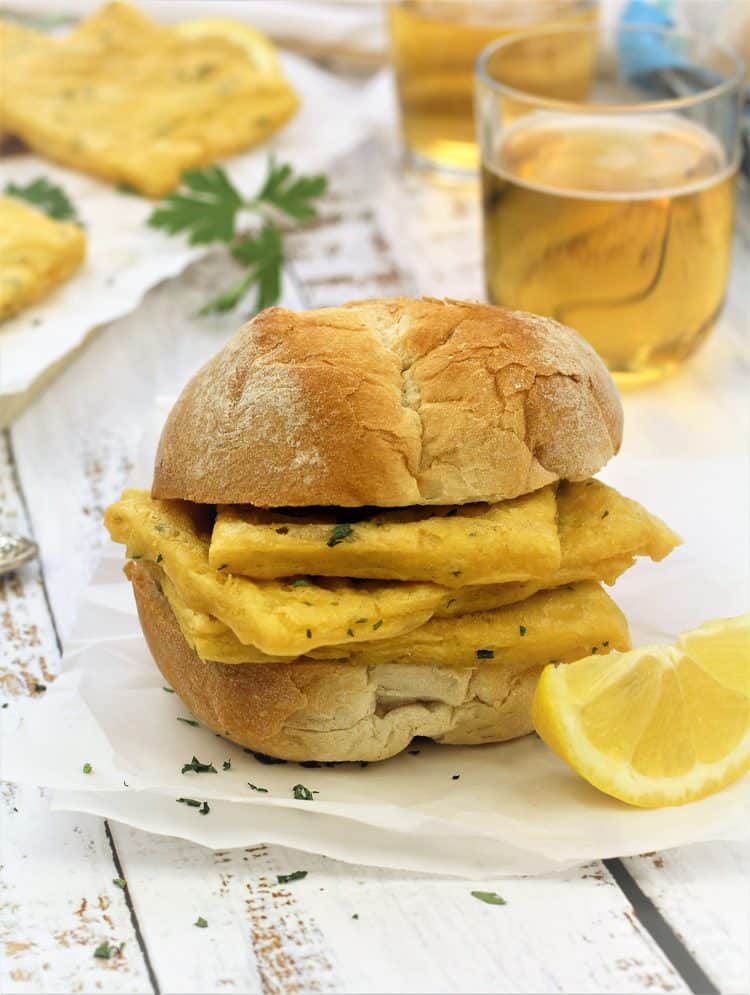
{"x": 46, "y": 196}
{"x": 207, "y": 208}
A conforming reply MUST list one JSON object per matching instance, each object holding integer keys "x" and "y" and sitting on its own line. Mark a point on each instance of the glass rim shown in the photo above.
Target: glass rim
{"x": 483, "y": 76}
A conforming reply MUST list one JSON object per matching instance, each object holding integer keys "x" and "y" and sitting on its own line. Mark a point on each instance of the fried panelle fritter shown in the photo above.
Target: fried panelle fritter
{"x": 36, "y": 254}
{"x": 127, "y": 100}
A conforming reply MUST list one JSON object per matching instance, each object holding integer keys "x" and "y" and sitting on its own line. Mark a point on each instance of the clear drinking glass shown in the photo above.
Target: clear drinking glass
{"x": 434, "y": 47}
{"x": 612, "y": 212}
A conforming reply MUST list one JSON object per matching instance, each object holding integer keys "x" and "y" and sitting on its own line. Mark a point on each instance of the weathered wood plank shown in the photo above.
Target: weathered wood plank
{"x": 702, "y": 891}
{"x": 353, "y": 929}
{"x": 58, "y": 901}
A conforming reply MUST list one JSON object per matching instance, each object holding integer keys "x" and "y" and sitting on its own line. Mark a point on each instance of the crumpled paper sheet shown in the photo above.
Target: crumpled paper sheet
{"x": 125, "y": 257}
{"x": 515, "y": 808}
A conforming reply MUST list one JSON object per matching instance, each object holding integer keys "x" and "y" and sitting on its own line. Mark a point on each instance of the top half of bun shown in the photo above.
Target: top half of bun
{"x": 389, "y": 402}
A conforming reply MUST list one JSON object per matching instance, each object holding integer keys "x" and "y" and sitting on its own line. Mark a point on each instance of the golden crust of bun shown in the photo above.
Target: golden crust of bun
{"x": 329, "y": 711}
{"x": 389, "y": 402}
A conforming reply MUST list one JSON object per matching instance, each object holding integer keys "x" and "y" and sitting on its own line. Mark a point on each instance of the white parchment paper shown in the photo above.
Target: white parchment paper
{"x": 514, "y": 808}
{"x": 125, "y": 257}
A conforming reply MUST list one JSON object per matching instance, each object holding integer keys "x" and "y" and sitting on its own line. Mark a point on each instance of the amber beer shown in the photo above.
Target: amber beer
{"x": 434, "y": 47}
{"x": 620, "y": 228}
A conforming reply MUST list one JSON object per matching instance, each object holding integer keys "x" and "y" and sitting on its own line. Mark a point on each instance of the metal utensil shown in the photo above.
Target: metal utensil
{"x": 15, "y": 550}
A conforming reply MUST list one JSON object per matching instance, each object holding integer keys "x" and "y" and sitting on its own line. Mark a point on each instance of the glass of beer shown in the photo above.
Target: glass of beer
{"x": 435, "y": 44}
{"x": 613, "y": 213}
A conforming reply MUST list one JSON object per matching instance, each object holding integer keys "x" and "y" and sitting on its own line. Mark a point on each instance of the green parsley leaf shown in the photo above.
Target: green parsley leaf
{"x": 290, "y": 194}
{"x": 45, "y": 196}
{"x": 485, "y": 654}
{"x": 355, "y": 915}
{"x": 604, "y": 514}
{"x": 191, "y": 802}
{"x": 204, "y": 809}
{"x": 168, "y": 690}
{"x": 40, "y": 688}
{"x": 227, "y": 765}
{"x": 294, "y": 876}
{"x": 205, "y": 207}
{"x": 301, "y": 793}
{"x": 87, "y": 768}
{"x": 522, "y": 630}
{"x": 489, "y": 897}
{"x": 339, "y": 533}
{"x": 188, "y": 722}
{"x": 265, "y": 256}
{"x": 263, "y": 791}
{"x": 120, "y": 882}
{"x": 201, "y": 923}
{"x": 198, "y": 767}
{"x": 377, "y": 624}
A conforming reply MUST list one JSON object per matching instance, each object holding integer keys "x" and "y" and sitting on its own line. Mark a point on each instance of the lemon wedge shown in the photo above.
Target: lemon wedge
{"x": 259, "y": 49}
{"x": 660, "y": 725}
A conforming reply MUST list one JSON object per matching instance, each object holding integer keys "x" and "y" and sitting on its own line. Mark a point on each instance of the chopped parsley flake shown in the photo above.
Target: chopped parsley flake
{"x": 106, "y": 950}
{"x": 227, "y": 765}
{"x": 198, "y": 767}
{"x": 339, "y": 533}
{"x": 522, "y": 629}
{"x": 485, "y": 654}
{"x": 301, "y": 793}
{"x": 301, "y": 582}
{"x": 606, "y": 642}
{"x": 200, "y": 922}
{"x": 489, "y": 897}
{"x": 377, "y": 624}
{"x": 205, "y": 809}
{"x": 87, "y": 768}
{"x": 168, "y": 690}
{"x": 604, "y": 514}
{"x": 355, "y": 915}
{"x": 255, "y": 787}
{"x": 294, "y": 876}
{"x": 309, "y": 633}
{"x": 191, "y": 802}
{"x": 39, "y": 688}
{"x": 188, "y": 722}
{"x": 455, "y": 777}
{"x": 159, "y": 557}
{"x": 349, "y": 632}
{"x": 120, "y": 882}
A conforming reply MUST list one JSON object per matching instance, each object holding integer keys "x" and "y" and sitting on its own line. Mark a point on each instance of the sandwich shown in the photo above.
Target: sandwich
{"x": 380, "y": 521}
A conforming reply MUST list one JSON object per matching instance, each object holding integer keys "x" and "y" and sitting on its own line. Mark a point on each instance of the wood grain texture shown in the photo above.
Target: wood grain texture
{"x": 57, "y": 900}
{"x": 412, "y": 933}
{"x": 73, "y": 447}
{"x": 703, "y": 892}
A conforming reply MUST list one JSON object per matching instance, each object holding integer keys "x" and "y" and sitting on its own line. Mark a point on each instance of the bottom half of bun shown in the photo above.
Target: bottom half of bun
{"x": 334, "y": 711}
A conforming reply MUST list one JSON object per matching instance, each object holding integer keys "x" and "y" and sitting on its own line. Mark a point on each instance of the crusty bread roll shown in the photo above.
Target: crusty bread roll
{"x": 390, "y": 403}
{"x": 329, "y": 711}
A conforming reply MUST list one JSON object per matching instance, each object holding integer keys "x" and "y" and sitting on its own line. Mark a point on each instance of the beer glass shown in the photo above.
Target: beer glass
{"x": 613, "y": 212}
{"x": 434, "y": 46}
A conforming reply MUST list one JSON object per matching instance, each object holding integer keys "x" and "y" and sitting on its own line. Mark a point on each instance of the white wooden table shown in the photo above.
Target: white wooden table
{"x": 675, "y": 921}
